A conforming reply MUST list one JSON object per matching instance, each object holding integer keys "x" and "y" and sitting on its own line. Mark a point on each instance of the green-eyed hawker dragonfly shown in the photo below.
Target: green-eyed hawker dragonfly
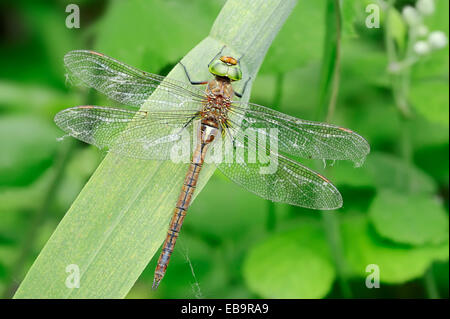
{"x": 211, "y": 116}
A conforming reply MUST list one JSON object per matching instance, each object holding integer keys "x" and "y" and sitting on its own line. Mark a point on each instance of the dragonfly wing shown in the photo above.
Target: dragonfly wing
{"x": 302, "y": 138}
{"x": 127, "y": 84}
{"x": 274, "y": 176}
{"x": 136, "y": 134}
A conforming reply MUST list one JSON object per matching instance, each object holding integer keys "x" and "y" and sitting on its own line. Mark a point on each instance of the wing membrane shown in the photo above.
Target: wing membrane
{"x": 302, "y": 138}
{"x": 280, "y": 180}
{"x": 136, "y": 134}
{"x": 127, "y": 84}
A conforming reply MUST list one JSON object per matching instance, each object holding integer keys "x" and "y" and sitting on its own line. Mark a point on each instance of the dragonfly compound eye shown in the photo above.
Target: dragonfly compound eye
{"x": 223, "y": 67}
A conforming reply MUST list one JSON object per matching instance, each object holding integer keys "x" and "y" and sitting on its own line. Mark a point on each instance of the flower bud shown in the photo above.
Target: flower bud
{"x": 411, "y": 16}
{"x": 425, "y": 7}
{"x": 437, "y": 39}
{"x": 421, "y": 48}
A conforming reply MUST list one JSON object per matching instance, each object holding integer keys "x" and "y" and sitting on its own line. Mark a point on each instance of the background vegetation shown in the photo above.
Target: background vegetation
{"x": 376, "y": 81}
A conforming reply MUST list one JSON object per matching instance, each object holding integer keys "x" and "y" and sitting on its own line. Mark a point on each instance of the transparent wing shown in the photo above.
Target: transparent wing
{"x": 126, "y": 84}
{"x": 273, "y": 176}
{"x": 302, "y": 138}
{"x": 136, "y": 134}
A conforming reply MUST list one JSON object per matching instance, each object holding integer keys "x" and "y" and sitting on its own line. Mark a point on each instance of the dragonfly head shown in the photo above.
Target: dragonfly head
{"x": 226, "y": 66}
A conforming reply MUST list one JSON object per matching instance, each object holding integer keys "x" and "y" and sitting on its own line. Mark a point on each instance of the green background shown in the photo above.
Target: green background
{"x": 395, "y": 212}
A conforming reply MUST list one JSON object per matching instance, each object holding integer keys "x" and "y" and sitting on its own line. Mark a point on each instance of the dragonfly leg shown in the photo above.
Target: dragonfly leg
{"x": 201, "y": 82}
{"x": 189, "y": 78}
{"x": 216, "y": 56}
{"x": 189, "y": 122}
{"x": 239, "y": 95}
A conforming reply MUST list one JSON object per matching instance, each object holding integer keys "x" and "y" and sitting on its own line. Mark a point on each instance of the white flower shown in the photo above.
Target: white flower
{"x": 421, "y": 47}
{"x": 425, "y": 7}
{"x": 411, "y": 16}
{"x": 437, "y": 39}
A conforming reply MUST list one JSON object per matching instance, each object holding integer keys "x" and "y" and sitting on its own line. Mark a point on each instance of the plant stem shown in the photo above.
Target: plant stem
{"x": 430, "y": 284}
{"x": 400, "y": 86}
{"x": 331, "y": 61}
{"x": 326, "y": 108}
{"x": 331, "y": 224}
{"x": 337, "y": 65}
{"x": 399, "y": 81}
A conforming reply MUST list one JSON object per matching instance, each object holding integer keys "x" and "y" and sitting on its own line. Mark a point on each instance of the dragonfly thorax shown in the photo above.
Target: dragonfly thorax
{"x": 215, "y": 108}
{"x": 219, "y": 90}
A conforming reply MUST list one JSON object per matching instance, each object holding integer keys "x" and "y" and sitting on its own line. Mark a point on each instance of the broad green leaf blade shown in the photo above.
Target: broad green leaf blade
{"x": 385, "y": 171}
{"x": 414, "y": 220}
{"x": 431, "y": 98}
{"x": 295, "y": 264}
{"x": 397, "y": 263}
{"x": 119, "y": 220}
{"x": 391, "y": 172}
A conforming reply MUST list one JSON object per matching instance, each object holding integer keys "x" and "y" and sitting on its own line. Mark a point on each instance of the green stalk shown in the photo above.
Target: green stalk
{"x": 330, "y": 76}
{"x": 400, "y": 83}
{"x": 331, "y": 62}
{"x": 430, "y": 284}
{"x": 119, "y": 220}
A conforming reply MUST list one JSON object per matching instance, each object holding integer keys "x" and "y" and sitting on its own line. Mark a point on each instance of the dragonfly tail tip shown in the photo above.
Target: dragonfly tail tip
{"x": 156, "y": 281}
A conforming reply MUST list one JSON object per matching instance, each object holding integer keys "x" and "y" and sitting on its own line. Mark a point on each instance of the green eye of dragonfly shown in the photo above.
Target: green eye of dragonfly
{"x": 226, "y": 67}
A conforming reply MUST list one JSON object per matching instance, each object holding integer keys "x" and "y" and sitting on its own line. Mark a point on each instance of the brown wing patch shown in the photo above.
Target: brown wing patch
{"x": 323, "y": 177}
{"x": 96, "y": 53}
{"x": 345, "y": 130}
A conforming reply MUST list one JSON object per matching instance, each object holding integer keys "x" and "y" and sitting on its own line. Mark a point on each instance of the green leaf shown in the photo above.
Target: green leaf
{"x": 397, "y": 27}
{"x": 294, "y": 264}
{"x": 397, "y": 263}
{"x": 120, "y": 218}
{"x": 30, "y": 144}
{"x": 414, "y": 219}
{"x": 348, "y": 14}
{"x": 385, "y": 171}
{"x": 426, "y": 159}
{"x": 391, "y": 172}
{"x": 430, "y": 98}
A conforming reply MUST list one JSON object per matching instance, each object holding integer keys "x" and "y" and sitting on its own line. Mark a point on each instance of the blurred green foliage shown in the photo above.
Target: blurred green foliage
{"x": 395, "y": 210}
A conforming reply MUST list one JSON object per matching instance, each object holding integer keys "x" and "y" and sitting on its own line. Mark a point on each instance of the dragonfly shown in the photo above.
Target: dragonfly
{"x": 158, "y": 110}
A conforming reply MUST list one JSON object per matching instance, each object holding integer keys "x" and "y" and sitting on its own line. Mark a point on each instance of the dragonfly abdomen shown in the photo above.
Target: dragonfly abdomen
{"x": 184, "y": 200}
{"x": 207, "y": 134}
